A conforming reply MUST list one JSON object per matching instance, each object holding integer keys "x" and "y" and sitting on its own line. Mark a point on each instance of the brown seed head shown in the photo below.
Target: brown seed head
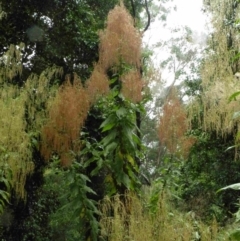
{"x": 120, "y": 41}
{"x": 132, "y": 86}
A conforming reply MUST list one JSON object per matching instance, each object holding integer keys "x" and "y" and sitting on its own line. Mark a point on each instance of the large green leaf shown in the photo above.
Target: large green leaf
{"x": 108, "y": 124}
{"x": 110, "y": 148}
{"x": 109, "y": 138}
{"x": 235, "y": 186}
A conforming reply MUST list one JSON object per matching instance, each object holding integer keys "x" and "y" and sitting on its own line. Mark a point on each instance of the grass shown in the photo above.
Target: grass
{"x": 131, "y": 218}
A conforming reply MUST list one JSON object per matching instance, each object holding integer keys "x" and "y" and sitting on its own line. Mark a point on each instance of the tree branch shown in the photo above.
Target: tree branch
{"x": 148, "y": 15}
{"x": 133, "y": 10}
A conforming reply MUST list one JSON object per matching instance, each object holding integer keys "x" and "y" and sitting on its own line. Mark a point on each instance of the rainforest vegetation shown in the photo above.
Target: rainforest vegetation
{"x": 94, "y": 146}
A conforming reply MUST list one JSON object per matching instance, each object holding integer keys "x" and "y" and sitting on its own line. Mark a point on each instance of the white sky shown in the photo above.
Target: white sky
{"x": 188, "y": 13}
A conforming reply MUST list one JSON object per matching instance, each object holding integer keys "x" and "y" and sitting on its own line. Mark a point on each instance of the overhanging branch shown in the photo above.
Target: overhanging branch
{"x": 148, "y": 16}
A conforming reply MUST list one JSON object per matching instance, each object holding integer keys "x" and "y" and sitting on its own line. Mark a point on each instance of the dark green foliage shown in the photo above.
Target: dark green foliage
{"x": 120, "y": 145}
{"x": 64, "y": 33}
{"x": 209, "y": 168}
{"x": 82, "y": 209}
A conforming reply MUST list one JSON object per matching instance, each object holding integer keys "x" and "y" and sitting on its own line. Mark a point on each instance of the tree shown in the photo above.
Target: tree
{"x": 70, "y": 43}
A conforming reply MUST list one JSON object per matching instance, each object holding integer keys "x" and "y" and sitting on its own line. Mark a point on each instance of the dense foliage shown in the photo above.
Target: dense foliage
{"x": 83, "y": 156}
{"x": 47, "y": 114}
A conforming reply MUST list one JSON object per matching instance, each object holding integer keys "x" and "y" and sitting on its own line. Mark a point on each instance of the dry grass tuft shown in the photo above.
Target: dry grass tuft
{"x": 129, "y": 218}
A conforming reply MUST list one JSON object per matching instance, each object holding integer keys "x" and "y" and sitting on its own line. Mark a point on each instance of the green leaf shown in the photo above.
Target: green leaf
{"x": 121, "y": 112}
{"x": 88, "y": 190}
{"x": 235, "y": 235}
{"x": 128, "y": 132}
{"x": 97, "y": 169}
{"x": 109, "y": 138}
{"x": 132, "y": 162}
{"x": 125, "y": 180}
{"x": 84, "y": 177}
{"x": 235, "y": 186}
{"x": 5, "y": 195}
{"x": 6, "y": 182}
{"x": 110, "y": 185}
{"x": 234, "y": 96}
{"x": 89, "y": 161}
{"x": 231, "y": 147}
{"x": 113, "y": 80}
{"x": 110, "y": 148}
{"x": 108, "y": 127}
{"x": 237, "y": 56}
{"x": 108, "y": 124}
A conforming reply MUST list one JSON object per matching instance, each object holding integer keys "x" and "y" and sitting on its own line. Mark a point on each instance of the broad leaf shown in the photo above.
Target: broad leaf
{"x": 110, "y": 148}
{"x": 109, "y": 138}
{"x": 235, "y": 186}
{"x": 108, "y": 124}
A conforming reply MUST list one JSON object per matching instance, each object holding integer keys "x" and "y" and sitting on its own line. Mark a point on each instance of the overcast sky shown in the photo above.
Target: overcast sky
{"x": 188, "y": 13}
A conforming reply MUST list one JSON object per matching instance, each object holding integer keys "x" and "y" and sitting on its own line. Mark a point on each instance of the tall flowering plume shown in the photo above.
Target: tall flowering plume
{"x": 66, "y": 118}
{"x": 120, "y": 42}
{"x": 98, "y": 83}
{"x": 173, "y": 126}
{"x": 132, "y": 86}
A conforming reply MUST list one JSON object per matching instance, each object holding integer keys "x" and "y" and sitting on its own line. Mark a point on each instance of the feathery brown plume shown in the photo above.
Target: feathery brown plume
{"x": 66, "y": 117}
{"x": 132, "y": 86}
{"x": 120, "y": 42}
{"x": 98, "y": 84}
{"x": 173, "y": 126}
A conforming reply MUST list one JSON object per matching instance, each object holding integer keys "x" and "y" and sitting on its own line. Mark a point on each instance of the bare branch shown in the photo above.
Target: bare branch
{"x": 133, "y": 10}
{"x": 148, "y": 15}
